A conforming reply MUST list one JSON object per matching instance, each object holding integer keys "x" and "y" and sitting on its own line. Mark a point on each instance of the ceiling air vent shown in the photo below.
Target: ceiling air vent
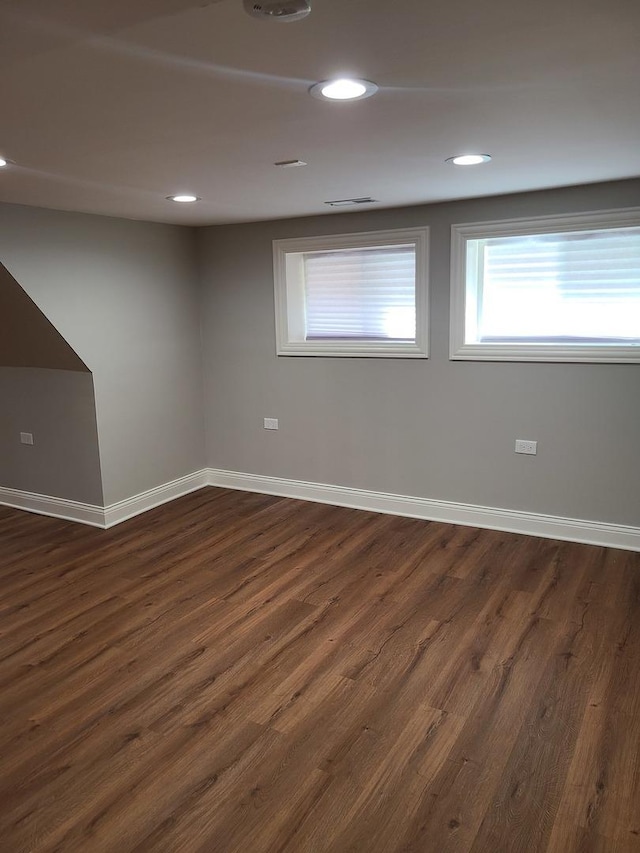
{"x": 289, "y": 164}
{"x": 348, "y": 202}
{"x": 284, "y": 11}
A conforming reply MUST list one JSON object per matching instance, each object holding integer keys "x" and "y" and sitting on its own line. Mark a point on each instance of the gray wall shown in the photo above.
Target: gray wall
{"x": 436, "y": 429}
{"x": 58, "y": 408}
{"x": 124, "y": 295}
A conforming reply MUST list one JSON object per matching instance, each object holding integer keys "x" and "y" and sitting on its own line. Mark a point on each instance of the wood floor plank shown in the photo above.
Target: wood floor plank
{"x": 237, "y": 672}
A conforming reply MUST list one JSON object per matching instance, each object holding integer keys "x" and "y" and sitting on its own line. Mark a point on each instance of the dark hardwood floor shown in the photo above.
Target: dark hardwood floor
{"x": 236, "y": 672}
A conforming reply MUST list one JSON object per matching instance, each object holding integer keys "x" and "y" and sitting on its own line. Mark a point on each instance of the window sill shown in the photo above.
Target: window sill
{"x": 547, "y": 352}
{"x": 340, "y": 349}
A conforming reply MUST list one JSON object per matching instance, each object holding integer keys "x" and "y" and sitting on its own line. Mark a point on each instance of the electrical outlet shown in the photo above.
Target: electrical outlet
{"x": 26, "y": 438}
{"x": 271, "y": 423}
{"x": 528, "y": 447}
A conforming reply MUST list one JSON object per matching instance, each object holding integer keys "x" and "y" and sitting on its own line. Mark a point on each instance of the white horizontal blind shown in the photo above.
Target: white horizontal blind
{"x": 569, "y": 287}
{"x": 364, "y": 294}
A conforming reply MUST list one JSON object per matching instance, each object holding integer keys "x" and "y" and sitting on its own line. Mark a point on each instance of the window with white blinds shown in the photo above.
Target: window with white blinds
{"x": 361, "y": 294}
{"x": 568, "y": 289}
{"x": 356, "y": 294}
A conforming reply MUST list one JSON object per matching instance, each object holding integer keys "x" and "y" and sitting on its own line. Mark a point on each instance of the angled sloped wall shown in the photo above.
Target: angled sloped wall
{"x": 45, "y": 390}
{"x": 27, "y": 337}
{"x": 124, "y": 295}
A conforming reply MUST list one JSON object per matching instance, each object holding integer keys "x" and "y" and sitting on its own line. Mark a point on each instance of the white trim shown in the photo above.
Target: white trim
{"x": 286, "y": 345}
{"x": 547, "y": 352}
{"x": 627, "y": 217}
{"x": 98, "y": 516}
{"x": 462, "y": 233}
{"x": 348, "y": 349}
{"x": 137, "y": 504}
{"x": 55, "y": 507}
{"x": 493, "y": 518}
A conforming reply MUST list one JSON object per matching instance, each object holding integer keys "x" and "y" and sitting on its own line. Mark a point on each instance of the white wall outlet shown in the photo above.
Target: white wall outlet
{"x": 271, "y": 423}
{"x": 26, "y": 438}
{"x": 529, "y": 447}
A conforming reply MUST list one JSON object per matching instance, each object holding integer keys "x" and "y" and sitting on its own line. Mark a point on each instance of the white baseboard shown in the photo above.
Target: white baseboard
{"x": 55, "y": 507}
{"x": 103, "y": 516}
{"x": 512, "y": 521}
{"x": 123, "y": 510}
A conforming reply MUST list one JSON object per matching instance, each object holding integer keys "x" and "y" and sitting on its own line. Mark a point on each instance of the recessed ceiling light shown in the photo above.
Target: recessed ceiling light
{"x": 344, "y": 89}
{"x": 183, "y": 199}
{"x": 3, "y": 162}
{"x": 468, "y": 159}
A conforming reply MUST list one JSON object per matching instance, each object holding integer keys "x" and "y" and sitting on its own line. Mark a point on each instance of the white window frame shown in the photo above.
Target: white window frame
{"x": 460, "y": 258}
{"x": 288, "y": 310}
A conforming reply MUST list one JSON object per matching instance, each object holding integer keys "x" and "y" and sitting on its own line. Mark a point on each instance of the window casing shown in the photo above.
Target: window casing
{"x": 361, "y": 295}
{"x": 563, "y": 288}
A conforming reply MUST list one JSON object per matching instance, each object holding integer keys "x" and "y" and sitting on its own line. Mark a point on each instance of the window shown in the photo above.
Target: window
{"x": 565, "y": 288}
{"x": 352, "y": 294}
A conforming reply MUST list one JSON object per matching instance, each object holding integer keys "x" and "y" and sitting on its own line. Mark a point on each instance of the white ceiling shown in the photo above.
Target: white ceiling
{"x": 108, "y": 106}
